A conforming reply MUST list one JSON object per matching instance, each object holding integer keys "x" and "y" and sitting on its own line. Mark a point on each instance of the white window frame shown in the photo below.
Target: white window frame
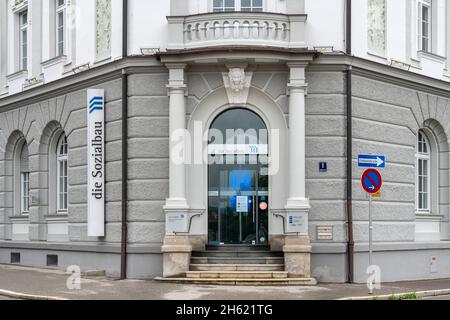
{"x": 237, "y": 7}
{"x": 60, "y": 10}
{"x": 420, "y": 37}
{"x": 62, "y": 188}
{"x": 24, "y": 193}
{"x": 23, "y": 29}
{"x": 423, "y": 157}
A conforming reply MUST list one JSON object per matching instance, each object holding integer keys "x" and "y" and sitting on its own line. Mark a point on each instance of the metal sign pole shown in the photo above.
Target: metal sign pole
{"x": 370, "y": 240}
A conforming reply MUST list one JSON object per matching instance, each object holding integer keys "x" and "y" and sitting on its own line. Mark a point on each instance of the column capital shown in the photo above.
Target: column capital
{"x": 294, "y": 87}
{"x": 176, "y": 77}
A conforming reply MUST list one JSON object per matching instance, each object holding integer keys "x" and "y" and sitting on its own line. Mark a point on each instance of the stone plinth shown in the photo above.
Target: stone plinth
{"x": 297, "y": 256}
{"x": 176, "y": 256}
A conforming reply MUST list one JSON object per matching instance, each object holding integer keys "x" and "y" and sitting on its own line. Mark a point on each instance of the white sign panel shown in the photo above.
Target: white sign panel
{"x": 242, "y": 204}
{"x": 297, "y": 222}
{"x": 176, "y": 223}
{"x": 239, "y": 149}
{"x": 96, "y": 162}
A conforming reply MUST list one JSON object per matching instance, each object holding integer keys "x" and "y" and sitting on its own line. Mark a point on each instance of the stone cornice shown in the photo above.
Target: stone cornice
{"x": 381, "y": 72}
{"x": 71, "y": 83}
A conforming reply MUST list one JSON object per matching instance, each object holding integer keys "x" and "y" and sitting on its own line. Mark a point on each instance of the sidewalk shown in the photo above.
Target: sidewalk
{"x": 43, "y": 282}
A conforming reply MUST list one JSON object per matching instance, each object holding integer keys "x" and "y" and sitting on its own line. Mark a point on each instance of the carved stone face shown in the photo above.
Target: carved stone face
{"x": 237, "y": 79}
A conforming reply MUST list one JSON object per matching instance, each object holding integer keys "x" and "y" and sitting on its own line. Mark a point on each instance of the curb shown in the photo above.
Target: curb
{"x": 419, "y": 294}
{"x": 23, "y": 296}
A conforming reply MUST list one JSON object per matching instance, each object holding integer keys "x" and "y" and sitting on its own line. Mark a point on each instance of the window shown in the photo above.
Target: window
{"x": 60, "y": 24}
{"x": 252, "y": 5}
{"x": 24, "y": 181}
{"x": 23, "y": 39}
{"x": 237, "y": 5}
{"x": 424, "y": 25}
{"x": 423, "y": 173}
{"x": 62, "y": 182}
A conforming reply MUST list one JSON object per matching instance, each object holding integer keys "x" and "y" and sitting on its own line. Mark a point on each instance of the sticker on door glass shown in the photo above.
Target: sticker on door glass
{"x": 242, "y": 204}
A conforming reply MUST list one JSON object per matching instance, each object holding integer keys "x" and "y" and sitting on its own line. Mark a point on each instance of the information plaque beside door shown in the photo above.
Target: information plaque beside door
{"x": 176, "y": 222}
{"x": 297, "y": 222}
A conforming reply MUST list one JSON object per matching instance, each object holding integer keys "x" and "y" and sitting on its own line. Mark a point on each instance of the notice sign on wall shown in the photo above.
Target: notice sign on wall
{"x": 176, "y": 223}
{"x": 242, "y": 204}
{"x": 96, "y": 162}
{"x": 297, "y": 222}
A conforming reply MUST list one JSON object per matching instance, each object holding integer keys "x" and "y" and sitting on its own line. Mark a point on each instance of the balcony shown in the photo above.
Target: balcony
{"x": 237, "y": 29}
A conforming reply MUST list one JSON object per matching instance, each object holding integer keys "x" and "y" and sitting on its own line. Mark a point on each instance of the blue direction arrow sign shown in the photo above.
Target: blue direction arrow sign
{"x": 371, "y": 161}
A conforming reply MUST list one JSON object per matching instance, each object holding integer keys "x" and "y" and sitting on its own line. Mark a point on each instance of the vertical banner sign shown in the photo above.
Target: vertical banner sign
{"x": 96, "y": 162}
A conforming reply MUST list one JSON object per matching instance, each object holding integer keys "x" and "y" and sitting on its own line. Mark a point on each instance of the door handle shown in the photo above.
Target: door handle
{"x": 254, "y": 209}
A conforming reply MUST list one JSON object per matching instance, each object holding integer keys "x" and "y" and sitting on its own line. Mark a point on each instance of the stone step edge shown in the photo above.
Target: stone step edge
{"x": 256, "y": 265}
{"x": 243, "y": 282}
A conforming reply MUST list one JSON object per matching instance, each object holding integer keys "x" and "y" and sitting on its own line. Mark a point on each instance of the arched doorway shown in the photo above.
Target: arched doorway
{"x": 238, "y": 184}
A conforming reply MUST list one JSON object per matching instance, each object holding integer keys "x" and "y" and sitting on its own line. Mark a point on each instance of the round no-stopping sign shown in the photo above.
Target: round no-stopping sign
{"x": 371, "y": 181}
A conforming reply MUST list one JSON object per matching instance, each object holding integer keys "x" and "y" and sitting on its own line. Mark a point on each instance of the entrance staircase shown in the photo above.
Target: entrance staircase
{"x": 238, "y": 265}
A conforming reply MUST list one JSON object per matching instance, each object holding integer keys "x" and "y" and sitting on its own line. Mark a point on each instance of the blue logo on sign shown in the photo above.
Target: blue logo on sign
{"x": 96, "y": 103}
{"x": 291, "y": 219}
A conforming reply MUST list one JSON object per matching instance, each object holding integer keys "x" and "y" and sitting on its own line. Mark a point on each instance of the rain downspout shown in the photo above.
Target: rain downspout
{"x": 350, "y": 243}
{"x": 123, "y": 247}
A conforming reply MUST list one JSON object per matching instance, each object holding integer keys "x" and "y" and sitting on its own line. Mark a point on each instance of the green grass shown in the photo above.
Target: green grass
{"x": 408, "y": 296}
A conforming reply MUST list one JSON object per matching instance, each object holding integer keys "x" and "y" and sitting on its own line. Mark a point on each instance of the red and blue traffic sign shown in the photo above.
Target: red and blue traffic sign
{"x": 371, "y": 181}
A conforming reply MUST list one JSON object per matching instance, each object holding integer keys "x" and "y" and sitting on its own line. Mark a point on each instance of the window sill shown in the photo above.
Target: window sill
{"x": 17, "y": 75}
{"x": 20, "y": 219}
{"x": 54, "y": 61}
{"x": 57, "y": 218}
{"x": 428, "y": 216}
{"x": 431, "y": 56}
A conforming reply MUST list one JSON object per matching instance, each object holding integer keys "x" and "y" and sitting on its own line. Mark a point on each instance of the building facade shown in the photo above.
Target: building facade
{"x": 306, "y": 85}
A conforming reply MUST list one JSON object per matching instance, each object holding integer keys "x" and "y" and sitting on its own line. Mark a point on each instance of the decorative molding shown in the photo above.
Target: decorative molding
{"x": 376, "y": 26}
{"x": 237, "y": 84}
{"x": 103, "y": 27}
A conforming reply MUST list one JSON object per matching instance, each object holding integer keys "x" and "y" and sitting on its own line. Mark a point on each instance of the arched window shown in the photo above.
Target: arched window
{"x": 424, "y": 170}
{"x": 24, "y": 181}
{"x": 62, "y": 182}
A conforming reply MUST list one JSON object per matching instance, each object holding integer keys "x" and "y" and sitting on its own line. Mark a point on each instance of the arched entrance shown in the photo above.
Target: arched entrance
{"x": 238, "y": 182}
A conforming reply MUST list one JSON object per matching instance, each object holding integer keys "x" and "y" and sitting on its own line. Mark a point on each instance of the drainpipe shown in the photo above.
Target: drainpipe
{"x": 350, "y": 243}
{"x": 123, "y": 247}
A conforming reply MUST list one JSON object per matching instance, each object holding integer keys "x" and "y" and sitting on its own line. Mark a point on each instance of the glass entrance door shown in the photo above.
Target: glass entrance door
{"x": 238, "y": 204}
{"x": 238, "y": 194}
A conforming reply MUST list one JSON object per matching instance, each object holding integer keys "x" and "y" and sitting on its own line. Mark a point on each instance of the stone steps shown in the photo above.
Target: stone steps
{"x": 237, "y": 274}
{"x": 237, "y": 260}
{"x": 237, "y": 254}
{"x": 237, "y": 247}
{"x": 237, "y": 267}
{"x": 243, "y": 282}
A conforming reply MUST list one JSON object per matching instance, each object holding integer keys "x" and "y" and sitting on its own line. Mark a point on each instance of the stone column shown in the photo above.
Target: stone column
{"x": 176, "y": 249}
{"x": 297, "y": 248}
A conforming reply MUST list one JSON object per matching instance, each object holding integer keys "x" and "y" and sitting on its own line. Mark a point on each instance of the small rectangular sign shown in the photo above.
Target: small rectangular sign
{"x": 371, "y": 161}
{"x": 297, "y": 222}
{"x": 323, "y": 167}
{"x": 238, "y": 149}
{"x": 242, "y": 204}
{"x": 325, "y": 233}
{"x": 176, "y": 222}
{"x": 96, "y": 162}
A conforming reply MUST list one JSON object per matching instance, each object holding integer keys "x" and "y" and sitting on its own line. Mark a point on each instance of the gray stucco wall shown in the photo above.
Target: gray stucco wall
{"x": 148, "y": 163}
{"x": 394, "y": 112}
{"x": 148, "y": 177}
